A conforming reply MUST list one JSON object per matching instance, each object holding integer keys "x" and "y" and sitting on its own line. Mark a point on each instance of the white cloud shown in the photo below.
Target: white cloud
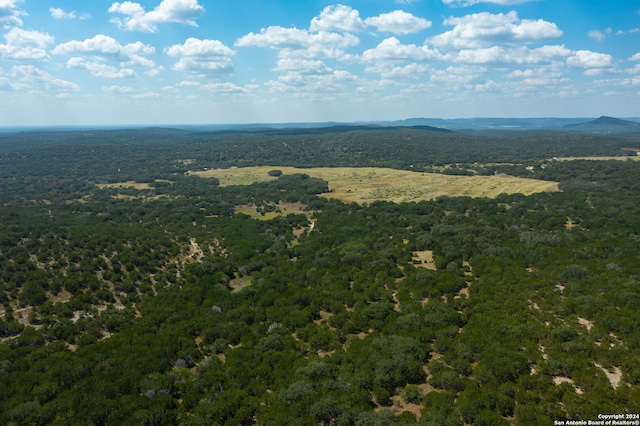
{"x": 481, "y": 29}
{"x": 635, "y": 57}
{"x": 188, "y": 83}
{"x": 118, "y": 89}
{"x": 33, "y": 78}
{"x": 137, "y": 19}
{"x": 588, "y": 59}
{"x": 302, "y": 66}
{"x": 457, "y": 76}
{"x": 147, "y": 95}
{"x": 10, "y": 14}
{"x": 100, "y": 69}
{"x": 344, "y": 18}
{"x": 317, "y": 86}
{"x": 392, "y": 49}
{"x": 295, "y": 42}
{"x": 104, "y": 48}
{"x": 599, "y": 35}
{"x": 337, "y": 18}
{"x": 202, "y": 56}
{"x": 498, "y": 55}
{"x": 25, "y": 45}
{"x": 465, "y": 3}
{"x": 228, "y": 88}
{"x": 5, "y": 85}
{"x": 398, "y": 22}
{"x": 57, "y": 13}
{"x": 545, "y": 71}
{"x": 411, "y": 71}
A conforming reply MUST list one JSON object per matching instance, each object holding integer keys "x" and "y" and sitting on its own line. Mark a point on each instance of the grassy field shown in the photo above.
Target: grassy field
{"x": 130, "y": 184}
{"x": 368, "y": 184}
{"x": 282, "y": 209}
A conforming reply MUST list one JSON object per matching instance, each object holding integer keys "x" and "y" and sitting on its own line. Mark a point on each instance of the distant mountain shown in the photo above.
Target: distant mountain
{"x": 605, "y": 124}
{"x": 602, "y": 124}
{"x": 611, "y": 121}
{"x": 484, "y": 123}
{"x": 338, "y": 128}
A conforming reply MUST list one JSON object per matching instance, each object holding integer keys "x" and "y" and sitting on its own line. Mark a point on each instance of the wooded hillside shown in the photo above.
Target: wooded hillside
{"x": 134, "y": 292}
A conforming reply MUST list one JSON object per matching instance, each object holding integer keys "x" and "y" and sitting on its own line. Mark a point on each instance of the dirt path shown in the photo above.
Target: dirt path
{"x": 195, "y": 253}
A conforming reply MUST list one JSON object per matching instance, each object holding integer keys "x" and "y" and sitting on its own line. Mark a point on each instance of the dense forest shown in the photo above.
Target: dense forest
{"x": 156, "y": 303}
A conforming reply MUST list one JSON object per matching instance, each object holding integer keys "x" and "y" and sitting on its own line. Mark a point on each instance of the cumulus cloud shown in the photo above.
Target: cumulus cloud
{"x": 25, "y": 45}
{"x": 5, "y": 85}
{"x": 309, "y": 78}
{"x": 10, "y": 14}
{"x": 147, "y": 95}
{"x": 102, "y": 48}
{"x": 118, "y": 89}
{"x": 100, "y": 69}
{"x": 466, "y": 3}
{"x": 337, "y": 18}
{"x": 398, "y": 22}
{"x": 302, "y": 66}
{"x": 588, "y": 59}
{"x": 540, "y": 78}
{"x": 480, "y": 29}
{"x": 317, "y": 86}
{"x": 33, "y": 78}
{"x": 501, "y": 56}
{"x": 599, "y": 35}
{"x": 57, "y": 13}
{"x": 292, "y": 41}
{"x": 343, "y": 18}
{"x": 202, "y": 56}
{"x": 392, "y": 49}
{"x": 188, "y": 83}
{"x": 410, "y": 72}
{"x": 137, "y": 19}
{"x": 228, "y": 88}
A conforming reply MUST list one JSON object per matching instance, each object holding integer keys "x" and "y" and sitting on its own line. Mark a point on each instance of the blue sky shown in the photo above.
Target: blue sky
{"x": 251, "y": 61}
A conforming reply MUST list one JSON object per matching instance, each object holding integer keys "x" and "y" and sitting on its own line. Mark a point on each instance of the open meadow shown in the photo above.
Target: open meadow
{"x": 369, "y": 184}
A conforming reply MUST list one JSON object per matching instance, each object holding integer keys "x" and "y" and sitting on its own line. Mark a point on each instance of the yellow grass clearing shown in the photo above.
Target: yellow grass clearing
{"x": 368, "y": 184}
{"x": 283, "y": 209}
{"x": 324, "y": 316}
{"x": 424, "y": 259}
{"x": 129, "y": 184}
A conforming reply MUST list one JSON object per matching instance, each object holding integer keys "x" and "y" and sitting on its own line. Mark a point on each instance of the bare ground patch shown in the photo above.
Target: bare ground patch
{"x": 558, "y": 380}
{"x": 588, "y": 324}
{"x": 424, "y": 259}
{"x": 239, "y": 283}
{"x": 614, "y": 376}
{"x": 570, "y": 224}
{"x": 324, "y": 316}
